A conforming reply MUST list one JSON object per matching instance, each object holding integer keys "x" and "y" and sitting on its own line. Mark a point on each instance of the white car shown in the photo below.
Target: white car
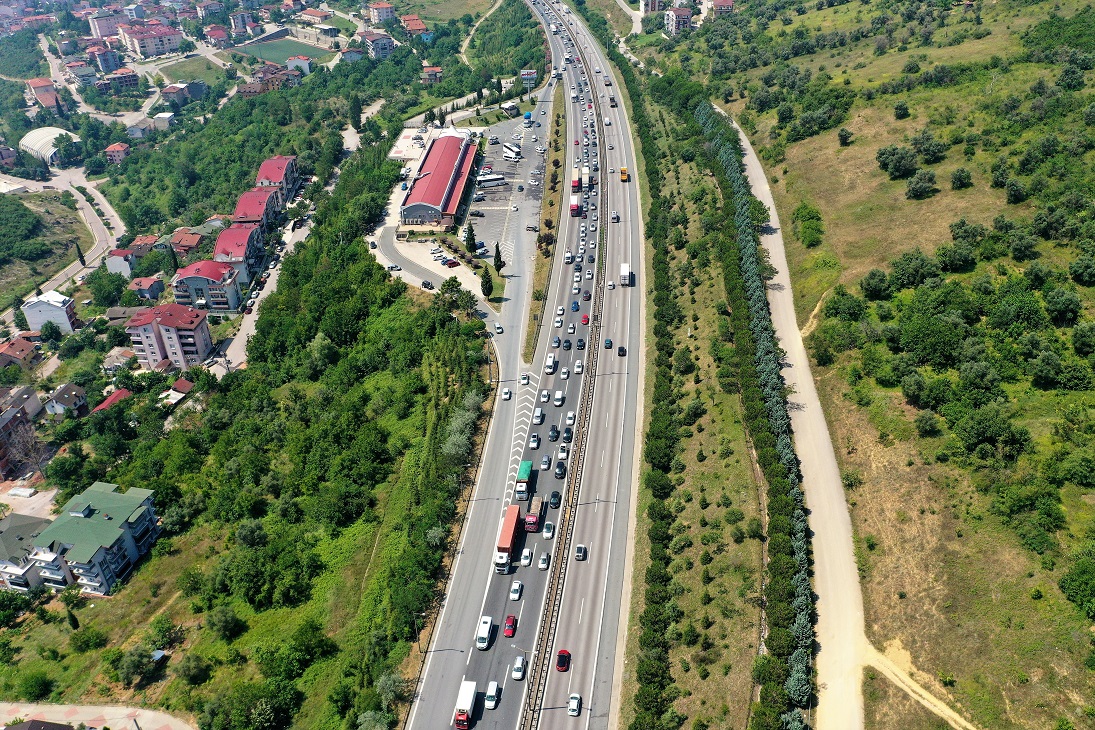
{"x": 559, "y": 311}
{"x": 579, "y": 367}
{"x": 611, "y": 284}
{"x": 575, "y": 289}
{"x": 570, "y": 328}
{"x": 559, "y": 320}
{"x": 544, "y": 560}
{"x": 526, "y": 559}
{"x": 565, "y": 374}
{"x": 589, "y": 273}
{"x": 497, "y": 328}
{"x": 564, "y": 451}
{"x": 549, "y": 530}
{"x": 545, "y": 463}
{"x": 612, "y": 171}
{"x": 577, "y": 278}
{"x": 506, "y": 393}
{"x": 534, "y": 441}
{"x": 545, "y": 396}
{"x": 574, "y": 705}
{"x": 608, "y": 122}
{"x": 513, "y": 208}
{"x": 518, "y": 671}
{"x": 570, "y": 416}
{"x": 515, "y": 587}
{"x": 524, "y": 378}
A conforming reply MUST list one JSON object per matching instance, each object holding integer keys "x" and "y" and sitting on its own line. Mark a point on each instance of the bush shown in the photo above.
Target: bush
{"x": 921, "y": 186}
{"x": 897, "y": 162}
{"x": 901, "y": 110}
{"x": 86, "y": 639}
{"x": 34, "y": 686}
{"x": 961, "y": 179}
{"x": 1015, "y": 191}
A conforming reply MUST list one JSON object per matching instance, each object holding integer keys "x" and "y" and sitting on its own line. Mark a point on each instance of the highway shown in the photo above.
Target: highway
{"x": 595, "y": 511}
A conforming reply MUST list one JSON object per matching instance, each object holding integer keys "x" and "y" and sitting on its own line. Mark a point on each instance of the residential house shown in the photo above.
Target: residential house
{"x": 147, "y": 287}
{"x": 97, "y": 539}
{"x": 281, "y": 173}
{"x": 65, "y": 398}
{"x": 209, "y": 8}
{"x": 134, "y": 12}
{"x": 258, "y": 205}
{"x": 172, "y": 332}
{"x": 175, "y": 94}
{"x": 81, "y": 73}
{"x": 14, "y": 423}
{"x": 106, "y": 59}
{"x": 117, "y": 152}
{"x": 677, "y": 20}
{"x": 118, "y": 357}
{"x": 251, "y": 89}
{"x": 37, "y": 21}
{"x": 140, "y": 129}
{"x": 314, "y": 15}
{"x": 105, "y": 25}
{"x": 121, "y": 261}
{"x": 178, "y": 390}
{"x": 241, "y": 246}
{"x": 40, "y": 725}
{"x": 431, "y": 74}
{"x": 239, "y": 22}
{"x": 8, "y": 156}
{"x": 381, "y": 12}
{"x": 722, "y": 7}
{"x": 654, "y": 6}
{"x": 184, "y": 241}
{"x": 52, "y": 306}
{"x": 124, "y": 79}
{"x": 119, "y": 395}
{"x": 414, "y": 26}
{"x": 44, "y": 93}
{"x": 17, "y": 571}
{"x": 212, "y": 285}
{"x": 21, "y": 396}
{"x": 153, "y": 39}
{"x": 300, "y": 63}
{"x": 350, "y": 55}
{"x": 19, "y": 352}
{"x": 217, "y": 35}
{"x": 379, "y": 45}
{"x": 163, "y": 120}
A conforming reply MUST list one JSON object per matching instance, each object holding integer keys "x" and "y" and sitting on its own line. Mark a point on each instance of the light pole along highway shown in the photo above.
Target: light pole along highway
{"x": 581, "y": 600}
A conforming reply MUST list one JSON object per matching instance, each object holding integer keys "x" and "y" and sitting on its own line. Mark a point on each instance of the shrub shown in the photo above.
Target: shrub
{"x": 34, "y": 686}
{"x": 86, "y": 639}
{"x": 961, "y": 179}
{"x": 921, "y": 185}
{"x": 901, "y": 110}
{"x": 897, "y": 162}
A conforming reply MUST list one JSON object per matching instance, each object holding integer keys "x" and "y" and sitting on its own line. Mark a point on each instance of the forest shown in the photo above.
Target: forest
{"x": 509, "y": 40}
{"x": 21, "y": 57}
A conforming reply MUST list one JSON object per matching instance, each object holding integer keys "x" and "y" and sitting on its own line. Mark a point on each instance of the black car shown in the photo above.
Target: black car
{"x": 581, "y": 344}
{"x": 586, "y": 295}
{"x": 561, "y": 470}
{"x": 568, "y": 435}
{"x": 555, "y": 341}
{"x": 553, "y": 434}
{"x": 621, "y": 350}
{"x": 578, "y": 265}
{"x": 427, "y": 285}
{"x": 555, "y": 500}
{"x": 476, "y": 214}
{"x": 589, "y": 258}
{"x": 566, "y": 344}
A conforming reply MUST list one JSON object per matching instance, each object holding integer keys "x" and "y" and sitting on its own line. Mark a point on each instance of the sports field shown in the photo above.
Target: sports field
{"x": 283, "y": 48}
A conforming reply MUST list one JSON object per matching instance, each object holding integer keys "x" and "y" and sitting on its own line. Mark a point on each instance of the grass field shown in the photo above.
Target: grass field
{"x": 445, "y": 10}
{"x": 60, "y": 228}
{"x": 283, "y": 48}
{"x": 193, "y": 69}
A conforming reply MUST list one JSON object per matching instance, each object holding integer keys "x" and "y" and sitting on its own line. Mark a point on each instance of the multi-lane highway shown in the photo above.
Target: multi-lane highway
{"x": 603, "y": 393}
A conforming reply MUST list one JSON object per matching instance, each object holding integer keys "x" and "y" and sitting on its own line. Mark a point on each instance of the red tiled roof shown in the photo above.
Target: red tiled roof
{"x": 232, "y": 241}
{"x": 446, "y": 154}
{"x": 381, "y": 5}
{"x": 273, "y": 169}
{"x": 681, "y": 12}
{"x": 212, "y": 270}
{"x": 39, "y": 83}
{"x": 169, "y": 315}
{"x": 120, "y": 252}
{"x": 146, "y": 240}
{"x": 118, "y": 147}
{"x": 182, "y": 385}
{"x": 142, "y": 282}
{"x": 217, "y": 34}
{"x": 314, "y": 13}
{"x": 17, "y": 348}
{"x": 119, "y": 395}
{"x": 253, "y": 203}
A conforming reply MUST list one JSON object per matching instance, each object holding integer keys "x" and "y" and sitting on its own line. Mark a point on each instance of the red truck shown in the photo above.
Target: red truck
{"x": 575, "y": 206}
{"x": 532, "y": 517}
{"x": 503, "y": 553}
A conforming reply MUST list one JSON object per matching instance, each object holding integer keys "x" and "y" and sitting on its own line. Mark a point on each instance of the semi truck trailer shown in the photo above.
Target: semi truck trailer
{"x": 503, "y": 552}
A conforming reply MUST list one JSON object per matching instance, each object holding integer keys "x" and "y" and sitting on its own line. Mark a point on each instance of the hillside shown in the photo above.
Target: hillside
{"x": 933, "y": 166}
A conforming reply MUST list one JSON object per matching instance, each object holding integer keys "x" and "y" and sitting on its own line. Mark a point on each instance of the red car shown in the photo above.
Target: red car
{"x": 453, "y": 263}
{"x": 589, "y": 106}
{"x": 562, "y": 661}
{"x": 585, "y": 319}
{"x": 575, "y": 143}
{"x": 511, "y": 627}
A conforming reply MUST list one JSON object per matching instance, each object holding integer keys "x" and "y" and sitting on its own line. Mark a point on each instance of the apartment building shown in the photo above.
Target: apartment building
{"x": 147, "y": 41}
{"x": 171, "y": 332}
{"x": 381, "y": 12}
{"x": 17, "y": 534}
{"x": 379, "y": 45}
{"x": 279, "y": 172}
{"x": 105, "y": 25}
{"x": 52, "y": 306}
{"x": 117, "y": 152}
{"x": 241, "y": 246}
{"x": 97, "y": 539}
{"x": 211, "y": 285}
{"x": 677, "y": 20}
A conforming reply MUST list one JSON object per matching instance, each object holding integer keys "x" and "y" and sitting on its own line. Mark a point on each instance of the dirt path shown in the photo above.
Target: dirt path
{"x": 911, "y": 687}
{"x": 471, "y": 32}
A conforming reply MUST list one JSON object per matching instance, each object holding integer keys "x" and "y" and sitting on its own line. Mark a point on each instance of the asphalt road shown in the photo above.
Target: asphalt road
{"x": 590, "y": 612}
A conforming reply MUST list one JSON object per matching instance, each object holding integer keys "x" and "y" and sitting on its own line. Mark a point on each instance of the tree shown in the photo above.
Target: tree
{"x": 961, "y": 179}
{"x": 19, "y": 317}
{"x": 106, "y": 288}
{"x": 1015, "y": 191}
{"x": 844, "y": 136}
{"x": 51, "y": 332}
{"x": 26, "y": 448}
{"x": 926, "y": 424}
{"x": 135, "y": 664}
{"x": 79, "y": 253}
{"x": 469, "y": 238}
{"x": 1083, "y": 338}
{"x": 87, "y": 639}
{"x": 224, "y": 622}
{"x": 876, "y": 285}
{"x": 1063, "y": 307}
{"x": 35, "y": 686}
{"x": 1082, "y": 270}
{"x": 486, "y": 283}
{"x": 901, "y": 110}
{"x": 921, "y": 185}
{"x": 499, "y": 264}
{"x": 897, "y": 162}
{"x": 193, "y": 669}
{"x": 355, "y": 112}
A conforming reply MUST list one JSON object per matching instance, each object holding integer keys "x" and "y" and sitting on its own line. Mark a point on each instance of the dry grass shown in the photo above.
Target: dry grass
{"x": 60, "y": 228}
{"x": 887, "y": 706}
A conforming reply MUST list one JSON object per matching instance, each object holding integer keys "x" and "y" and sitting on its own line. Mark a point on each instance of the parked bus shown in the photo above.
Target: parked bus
{"x": 490, "y": 181}
{"x": 514, "y": 148}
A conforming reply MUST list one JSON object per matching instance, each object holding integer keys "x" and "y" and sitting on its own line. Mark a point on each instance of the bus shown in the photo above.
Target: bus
{"x": 512, "y": 149}
{"x": 490, "y": 181}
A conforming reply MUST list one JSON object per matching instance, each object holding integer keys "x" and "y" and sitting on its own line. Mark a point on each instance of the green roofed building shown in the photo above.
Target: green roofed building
{"x": 97, "y": 539}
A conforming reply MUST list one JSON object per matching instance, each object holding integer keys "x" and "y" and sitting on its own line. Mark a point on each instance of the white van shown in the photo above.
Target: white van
{"x": 568, "y": 258}
{"x": 538, "y": 416}
{"x": 482, "y": 634}
{"x": 550, "y": 363}
{"x": 490, "y": 700}
{"x": 559, "y": 398}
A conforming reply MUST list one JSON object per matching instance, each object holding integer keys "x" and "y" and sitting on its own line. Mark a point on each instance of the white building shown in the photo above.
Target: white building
{"x": 53, "y": 306}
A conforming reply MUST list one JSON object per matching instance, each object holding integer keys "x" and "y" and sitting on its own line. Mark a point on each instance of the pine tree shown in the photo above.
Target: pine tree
{"x": 355, "y": 112}
{"x": 487, "y": 283}
{"x": 469, "y": 238}
{"x": 499, "y": 264}
{"x": 18, "y": 316}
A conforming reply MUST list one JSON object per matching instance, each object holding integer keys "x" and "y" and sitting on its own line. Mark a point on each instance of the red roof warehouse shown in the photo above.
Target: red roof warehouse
{"x": 439, "y": 186}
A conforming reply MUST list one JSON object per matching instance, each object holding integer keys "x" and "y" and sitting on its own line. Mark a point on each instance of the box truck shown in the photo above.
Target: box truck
{"x": 575, "y": 206}
{"x": 532, "y": 517}
{"x": 524, "y": 476}
{"x": 625, "y": 275}
{"x": 503, "y": 551}
{"x": 465, "y": 705}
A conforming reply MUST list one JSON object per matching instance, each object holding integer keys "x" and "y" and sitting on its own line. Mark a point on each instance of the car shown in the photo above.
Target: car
{"x": 589, "y": 273}
{"x": 574, "y": 704}
{"x": 251, "y": 302}
{"x": 570, "y": 328}
{"x": 524, "y": 378}
{"x": 497, "y": 328}
{"x": 575, "y": 143}
{"x": 612, "y": 171}
{"x": 534, "y": 441}
{"x": 394, "y": 267}
{"x": 564, "y": 452}
{"x": 577, "y": 277}
{"x": 545, "y": 463}
{"x": 574, "y": 305}
{"x": 566, "y": 344}
{"x": 575, "y": 289}
{"x": 579, "y": 367}
{"x": 586, "y": 295}
{"x": 549, "y": 530}
{"x": 247, "y": 310}
{"x": 608, "y": 346}
{"x": 581, "y": 552}
{"x": 428, "y": 285}
{"x": 559, "y": 310}
{"x": 513, "y": 208}
{"x": 611, "y": 284}
{"x": 553, "y": 434}
{"x": 611, "y": 147}
{"x": 589, "y": 259}
{"x": 560, "y": 470}
{"x": 555, "y": 499}
{"x": 568, "y": 435}
{"x": 542, "y": 565}
{"x": 545, "y": 396}
{"x": 515, "y": 586}
{"x": 621, "y": 350}
{"x": 506, "y": 393}
{"x": 509, "y": 628}
{"x": 518, "y": 671}
{"x": 452, "y": 263}
{"x": 571, "y": 417}
{"x": 585, "y": 319}
{"x": 520, "y": 189}
{"x": 558, "y": 322}
{"x": 476, "y": 214}
{"x": 555, "y": 341}
{"x": 562, "y": 661}
{"x": 565, "y": 374}
{"x": 273, "y": 265}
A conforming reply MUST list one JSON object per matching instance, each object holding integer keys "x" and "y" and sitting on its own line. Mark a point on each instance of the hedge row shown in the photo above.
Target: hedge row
{"x": 786, "y": 672}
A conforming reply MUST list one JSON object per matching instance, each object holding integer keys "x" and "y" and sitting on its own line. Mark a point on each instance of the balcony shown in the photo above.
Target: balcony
{"x": 90, "y": 581}
{"x": 49, "y": 574}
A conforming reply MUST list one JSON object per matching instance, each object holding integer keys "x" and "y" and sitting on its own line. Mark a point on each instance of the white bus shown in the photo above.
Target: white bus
{"x": 512, "y": 148}
{"x": 490, "y": 181}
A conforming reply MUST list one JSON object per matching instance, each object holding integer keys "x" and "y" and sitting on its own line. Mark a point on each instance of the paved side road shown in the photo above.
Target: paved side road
{"x": 117, "y": 718}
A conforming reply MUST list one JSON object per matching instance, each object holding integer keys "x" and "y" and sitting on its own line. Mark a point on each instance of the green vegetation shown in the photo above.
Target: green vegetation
{"x": 21, "y": 57}
{"x": 200, "y": 69}
{"x": 509, "y": 40}
{"x": 38, "y": 236}
{"x": 279, "y": 50}
{"x": 18, "y": 226}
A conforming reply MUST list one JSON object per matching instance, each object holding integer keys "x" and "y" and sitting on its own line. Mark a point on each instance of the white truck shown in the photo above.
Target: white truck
{"x": 625, "y": 274}
{"x": 465, "y": 705}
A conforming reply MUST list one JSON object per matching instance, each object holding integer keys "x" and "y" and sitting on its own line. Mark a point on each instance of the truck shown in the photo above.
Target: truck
{"x": 624, "y": 177}
{"x": 503, "y": 551}
{"x": 625, "y": 274}
{"x": 576, "y": 183}
{"x": 574, "y": 96}
{"x": 608, "y": 81}
{"x": 528, "y": 115}
{"x": 587, "y": 177}
{"x": 524, "y": 476}
{"x": 554, "y": 29}
{"x": 532, "y": 517}
{"x": 575, "y": 206}
{"x": 465, "y": 705}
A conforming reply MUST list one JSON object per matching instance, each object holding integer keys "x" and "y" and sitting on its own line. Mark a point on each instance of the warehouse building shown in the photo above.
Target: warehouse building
{"x": 436, "y": 191}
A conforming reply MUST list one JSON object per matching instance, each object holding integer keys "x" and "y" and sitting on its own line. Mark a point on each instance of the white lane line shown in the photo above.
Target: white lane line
{"x": 581, "y": 611}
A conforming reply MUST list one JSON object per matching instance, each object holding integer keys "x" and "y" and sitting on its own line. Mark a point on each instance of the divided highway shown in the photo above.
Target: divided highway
{"x": 601, "y": 385}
